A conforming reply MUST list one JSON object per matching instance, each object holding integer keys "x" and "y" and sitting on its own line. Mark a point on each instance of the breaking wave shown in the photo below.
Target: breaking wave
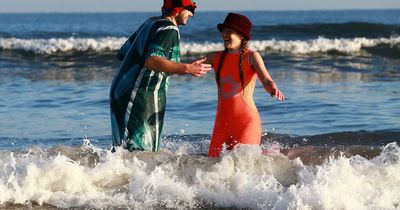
{"x": 90, "y": 177}
{"x": 321, "y": 45}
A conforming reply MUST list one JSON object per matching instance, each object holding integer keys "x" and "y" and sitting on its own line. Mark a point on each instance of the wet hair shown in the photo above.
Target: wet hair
{"x": 221, "y": 62}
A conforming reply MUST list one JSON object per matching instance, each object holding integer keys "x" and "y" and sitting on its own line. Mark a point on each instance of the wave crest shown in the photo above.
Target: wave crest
{"x": 319, "y": 45}
{"x": 56, "y": 45}
{"x": 107, "y": 44}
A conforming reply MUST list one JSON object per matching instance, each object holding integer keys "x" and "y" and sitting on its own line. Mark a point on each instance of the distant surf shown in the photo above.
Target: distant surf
{"x": 320, "y": 45}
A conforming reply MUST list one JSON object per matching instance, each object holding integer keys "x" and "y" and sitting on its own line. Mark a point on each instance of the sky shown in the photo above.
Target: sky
{"x": 204, "y": 5}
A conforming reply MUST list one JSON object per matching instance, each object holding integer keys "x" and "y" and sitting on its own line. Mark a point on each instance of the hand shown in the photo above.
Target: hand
{"x": 279, "y": 95}
{"x": 198, "y": 68}
{"x": 275, "y": 92}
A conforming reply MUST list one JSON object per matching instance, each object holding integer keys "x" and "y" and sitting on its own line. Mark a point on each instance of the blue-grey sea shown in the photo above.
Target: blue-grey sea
{"x": 333, "y": 144}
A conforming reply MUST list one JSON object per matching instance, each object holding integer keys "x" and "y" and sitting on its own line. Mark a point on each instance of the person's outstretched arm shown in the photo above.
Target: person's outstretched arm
{"x": 197, "y": 68}
{"x": 269, "y": 85}
{"x": 210, "y": 57}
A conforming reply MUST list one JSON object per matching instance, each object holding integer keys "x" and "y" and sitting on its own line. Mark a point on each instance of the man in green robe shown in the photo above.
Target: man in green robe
{"x": 138, "y": 92}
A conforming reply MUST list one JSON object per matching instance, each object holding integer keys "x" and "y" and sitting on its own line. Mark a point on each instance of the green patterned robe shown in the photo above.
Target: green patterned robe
{"x": 137, "y": 94}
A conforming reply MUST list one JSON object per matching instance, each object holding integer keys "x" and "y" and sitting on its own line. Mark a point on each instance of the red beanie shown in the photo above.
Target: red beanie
{"x": 239, "y": 23}
{"x": 175, "y": 6}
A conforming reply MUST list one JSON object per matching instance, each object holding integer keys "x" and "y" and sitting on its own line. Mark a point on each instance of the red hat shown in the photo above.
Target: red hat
{"x": 176, "y": 6}
{"x": 239, "y": 23}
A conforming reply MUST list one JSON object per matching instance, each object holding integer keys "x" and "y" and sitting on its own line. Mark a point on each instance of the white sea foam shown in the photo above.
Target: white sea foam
{"x": 319, "y": 45}
{"x": 54, "y": 45}
{"x": 323, "y": 45}
{"x": 243, "y": 178}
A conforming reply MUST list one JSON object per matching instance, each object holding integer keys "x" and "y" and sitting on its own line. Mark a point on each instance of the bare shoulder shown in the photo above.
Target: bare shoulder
{"x": 254, "y": 57}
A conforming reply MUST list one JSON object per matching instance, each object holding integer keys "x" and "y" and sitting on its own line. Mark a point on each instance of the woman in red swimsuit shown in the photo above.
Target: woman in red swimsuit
{"x": 236, "y": 71}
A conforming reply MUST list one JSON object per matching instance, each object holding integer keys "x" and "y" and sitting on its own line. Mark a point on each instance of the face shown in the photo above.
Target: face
{"x": 232, "y": 39}
{"x": 183, "y": 16}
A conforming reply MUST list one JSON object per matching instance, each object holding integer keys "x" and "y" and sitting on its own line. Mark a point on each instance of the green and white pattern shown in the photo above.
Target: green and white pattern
{"x": 138, "y": 95}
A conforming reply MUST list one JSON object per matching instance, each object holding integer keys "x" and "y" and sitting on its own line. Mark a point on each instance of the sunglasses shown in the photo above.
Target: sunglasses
{"x": 191, "y": 9}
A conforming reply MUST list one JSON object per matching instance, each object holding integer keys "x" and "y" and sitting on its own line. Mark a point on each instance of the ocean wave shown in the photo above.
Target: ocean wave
{"x": 330, "y": 30}
{"x": 89, "y": 177}
{"x": 295, "y": 47}
{"x": 60, "y": 45}
{"x": 303, "y": 47}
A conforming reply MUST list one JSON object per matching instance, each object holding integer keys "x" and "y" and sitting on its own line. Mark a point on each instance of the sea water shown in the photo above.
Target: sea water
{"x": 333, "y": 144}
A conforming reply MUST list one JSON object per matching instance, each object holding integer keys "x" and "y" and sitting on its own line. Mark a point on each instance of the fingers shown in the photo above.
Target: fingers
{"x": 201, "y": 72}
{"x": 276, "y": 93}
{"x": 201, "y": 69}
{"x": 205, "y": 67}
{"x": 200, "y": 60}
{"x": 279, "y": 96}
{"x": 198, "y": 68}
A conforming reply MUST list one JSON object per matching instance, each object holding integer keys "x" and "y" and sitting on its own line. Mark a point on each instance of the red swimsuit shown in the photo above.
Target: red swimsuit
{"x": 236, "y": 121}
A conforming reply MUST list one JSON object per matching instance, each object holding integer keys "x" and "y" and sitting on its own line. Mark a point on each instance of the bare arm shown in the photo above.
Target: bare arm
{"x": 210, "y": 57}
{"x": 265, "y": 78}
{"x": 197, "y": 68}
